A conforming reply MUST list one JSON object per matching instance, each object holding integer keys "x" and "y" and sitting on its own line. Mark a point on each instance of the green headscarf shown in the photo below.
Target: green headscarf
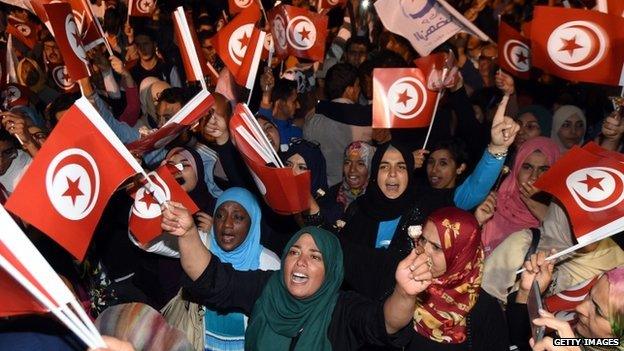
{"x": 277, "y": 316}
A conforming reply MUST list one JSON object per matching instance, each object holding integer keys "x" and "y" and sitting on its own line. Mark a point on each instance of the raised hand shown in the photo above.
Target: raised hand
{"x": 16, "y": 125}
{"x": 419, "y": 157}
{"x": 216, "y": 126}
{"x": 563, "y": 329}
{"x": 504, "y": 129}
{"x": 504, "y": 82}
{"x": 538, "y": 269}
{"x": 176, "y": 220}
{"x": 486, "y": 210}
{"x": 413, "y": 274}
{"x": 204, "y": 221}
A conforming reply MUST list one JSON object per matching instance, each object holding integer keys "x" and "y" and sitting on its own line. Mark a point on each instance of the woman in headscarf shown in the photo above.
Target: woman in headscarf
{"x": 451, "y": 239}
{"x": 300, "y": 306}
{"x": 568, "y": 127}
{"x": 374, "y": 235}
{"x": 571, "y": 270}
{"x": 515, "y": 208}
{"x": 355, "y": 174}
{"x": 235, "y": 239}
{"x": 303, "y": 155}
{"x": 160, "y": 273}
{"x": 149, "y": 92}
{"x": 599, "y": 313}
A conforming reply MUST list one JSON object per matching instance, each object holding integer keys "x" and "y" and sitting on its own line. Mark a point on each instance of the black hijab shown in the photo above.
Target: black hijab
{"x": 315, "y": 161}
{"x": 200, "y": 194}
{"x": 374, "y": 203}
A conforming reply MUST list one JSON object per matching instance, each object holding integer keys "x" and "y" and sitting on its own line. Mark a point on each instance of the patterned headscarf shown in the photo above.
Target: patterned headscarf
{"x": 441, "y": 316}
{"x": 365, "y": 151}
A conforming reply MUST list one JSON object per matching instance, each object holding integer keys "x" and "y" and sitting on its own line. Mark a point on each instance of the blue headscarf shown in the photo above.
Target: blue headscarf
{"x": 247, "y": 255}
{"x": 228, "y": 331}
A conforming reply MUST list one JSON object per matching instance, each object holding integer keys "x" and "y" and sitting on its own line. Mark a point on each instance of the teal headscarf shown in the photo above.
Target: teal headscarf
{"x": 247, "y": 255}
{"x": 277, "y": 316}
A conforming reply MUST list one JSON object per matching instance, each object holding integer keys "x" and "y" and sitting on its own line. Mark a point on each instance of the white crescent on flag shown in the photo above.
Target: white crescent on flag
{"x": 73, "y": 183}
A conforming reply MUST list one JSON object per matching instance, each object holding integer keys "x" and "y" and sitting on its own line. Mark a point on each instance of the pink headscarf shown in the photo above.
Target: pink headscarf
{"x": 511, "y": 213}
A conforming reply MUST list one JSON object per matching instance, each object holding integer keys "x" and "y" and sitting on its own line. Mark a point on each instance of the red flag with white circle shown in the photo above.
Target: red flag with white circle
{"x": 578, "y": 45}
{"x": 239, "y": 45}
{"x": 141, "y": 8}
{"x": 298, "y": 32}
{"x": 591, "y": 188}
{"x": 145, "y": 215}
{"x": 283, "y": 191}
{"x": 60, "y": 76}
{"x": 401, "y": 98}
{"x": 24, "y": 31}
{"x": 68, "y": 39}
{"x": 72, "y": 178}
{"x": 514, "y": 52}
{"x": 14, "y": 94}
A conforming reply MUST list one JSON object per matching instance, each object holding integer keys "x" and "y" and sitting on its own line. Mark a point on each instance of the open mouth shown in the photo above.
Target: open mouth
{"x": 299, "y": 278}
{"x": 353, "y": 180}
{"x": 392, "y": 187}
{"x": 435, "y": 180}
{"x": 227, "y": 238}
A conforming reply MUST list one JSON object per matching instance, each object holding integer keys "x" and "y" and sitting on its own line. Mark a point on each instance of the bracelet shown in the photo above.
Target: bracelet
{"x": 497, "y": 155}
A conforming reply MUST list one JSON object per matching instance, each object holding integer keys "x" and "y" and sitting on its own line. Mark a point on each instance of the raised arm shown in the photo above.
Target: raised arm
{"x": 412, "y": 276}
{"x": 193, "y": 254}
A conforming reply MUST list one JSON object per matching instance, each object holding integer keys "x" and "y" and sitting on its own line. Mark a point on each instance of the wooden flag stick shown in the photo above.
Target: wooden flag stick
{"x": 435, "y": 111}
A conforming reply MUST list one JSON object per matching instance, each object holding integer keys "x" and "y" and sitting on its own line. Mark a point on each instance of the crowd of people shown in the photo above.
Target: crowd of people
{"x": 402, "y": 247}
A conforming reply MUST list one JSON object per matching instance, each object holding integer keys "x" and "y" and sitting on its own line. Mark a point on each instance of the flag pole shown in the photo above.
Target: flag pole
{"x": 435, "y": 111}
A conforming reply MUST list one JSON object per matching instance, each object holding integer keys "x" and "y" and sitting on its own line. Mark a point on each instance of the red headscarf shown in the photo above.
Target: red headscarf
{"x": 441, "y": 315}
{"x": 511, "y": 213}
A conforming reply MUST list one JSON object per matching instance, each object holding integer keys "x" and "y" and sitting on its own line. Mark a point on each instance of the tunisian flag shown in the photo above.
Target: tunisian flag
{"x": 578, "y": 45}
{"x": 141, "y": 8}
{"x": 401, "y": 98}
{"x": 591, "y": 188}
{"x": 298, "y": 32}
{"x": 196, "y": 66}
{"x": 239, "y": 44}
{"x": 283, "y": 191}
{"x": 236, "y": 6}
{"x": 67, "y": 36}
{"x": 146, "y": 216}
{"x": 68, "y": 184}
{"x": 514, "y": 52}
{"x": 24, "y": 31}
{"x": 612, "y": 7}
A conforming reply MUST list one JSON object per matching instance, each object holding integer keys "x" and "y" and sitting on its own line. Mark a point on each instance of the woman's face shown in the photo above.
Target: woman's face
{"x": 593, "y": 312}
{"x": 304, "y": 270}
{"x": 533, "y": 167}
{"x": 392, "y": 176}
{"x": 187, "y": 176}
{"x": 430, "y": 241}
{"x": 529, "y": 128}
{"x": 571, "y": 131}
{"x": 442, "y": 170}
{"x": 355, "y": 171}
{"x": 231, "y": 225}
{"x": 271, "y": 132}
{"x": 297, "y": 163}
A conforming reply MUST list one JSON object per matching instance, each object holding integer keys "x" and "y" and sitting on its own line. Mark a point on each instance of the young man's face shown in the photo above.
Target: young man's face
{"x": 146, "y": 47}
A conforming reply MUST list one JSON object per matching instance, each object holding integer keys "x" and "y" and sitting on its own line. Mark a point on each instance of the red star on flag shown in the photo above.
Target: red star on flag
{"x": 592, "y": 182}
{"x": 570, "y": 45}
{"x": 73, "y": 189}
{"x": 304, "y": 34}
{"x": 244, "y": 41}
{"x": 148, "y": 199}
{"x": 65, "y": 77}
{"x": 522, "y": 58}
{"x": 404, "y": 98}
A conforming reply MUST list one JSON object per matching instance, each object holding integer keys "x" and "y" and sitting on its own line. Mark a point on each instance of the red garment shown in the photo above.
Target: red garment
{"x": 132, "y": 112}
{"x": 441, "y": 316}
